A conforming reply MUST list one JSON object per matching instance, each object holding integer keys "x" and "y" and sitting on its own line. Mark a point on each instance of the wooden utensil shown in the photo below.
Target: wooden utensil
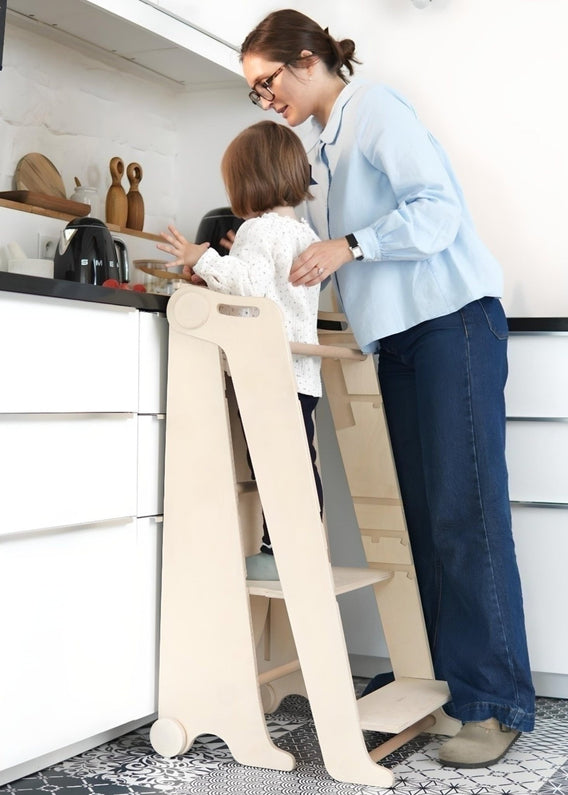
{"x": 158, "y": 272}
{"x": 36, "y": 173}
{"x": 116, "y": 207}
{"x": 135, "y": 219}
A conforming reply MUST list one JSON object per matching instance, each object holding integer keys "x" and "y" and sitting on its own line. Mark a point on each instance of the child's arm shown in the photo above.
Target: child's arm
{"x": 249, "y": 269}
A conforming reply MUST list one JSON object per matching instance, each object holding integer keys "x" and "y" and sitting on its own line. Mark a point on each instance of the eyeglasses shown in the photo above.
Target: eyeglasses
{"x": 262, "y": 90}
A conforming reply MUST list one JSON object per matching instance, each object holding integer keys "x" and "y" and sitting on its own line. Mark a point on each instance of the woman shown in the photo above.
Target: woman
{"x": 420, "y": 288}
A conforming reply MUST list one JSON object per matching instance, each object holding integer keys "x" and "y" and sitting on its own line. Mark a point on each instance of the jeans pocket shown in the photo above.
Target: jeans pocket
{"x": 495, "y": 316}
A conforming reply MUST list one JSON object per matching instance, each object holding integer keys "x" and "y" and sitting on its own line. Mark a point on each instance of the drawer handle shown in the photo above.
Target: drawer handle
{"x": 66, "y": 528}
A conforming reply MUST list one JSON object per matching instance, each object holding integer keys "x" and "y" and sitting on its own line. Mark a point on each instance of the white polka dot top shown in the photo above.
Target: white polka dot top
{"x": 259, "y": 265}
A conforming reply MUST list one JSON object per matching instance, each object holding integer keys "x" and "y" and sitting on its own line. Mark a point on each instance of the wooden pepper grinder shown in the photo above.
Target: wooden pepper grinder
{"x": 135, "y": 218}
{"x": 116, "y": 208}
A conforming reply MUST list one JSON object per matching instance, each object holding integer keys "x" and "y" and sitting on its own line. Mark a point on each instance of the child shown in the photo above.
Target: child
{"x": 266, "y": 175}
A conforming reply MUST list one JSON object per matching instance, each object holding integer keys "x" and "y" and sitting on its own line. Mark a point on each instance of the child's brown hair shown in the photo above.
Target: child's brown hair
{"x": 265, "y": 166}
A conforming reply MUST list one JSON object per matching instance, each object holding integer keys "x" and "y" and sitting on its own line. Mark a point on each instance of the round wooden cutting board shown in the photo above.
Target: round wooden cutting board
{"x": 35, "y": 172}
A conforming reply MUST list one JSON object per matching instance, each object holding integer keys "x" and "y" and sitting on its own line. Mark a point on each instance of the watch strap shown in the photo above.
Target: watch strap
{"x": 354, "y": 246}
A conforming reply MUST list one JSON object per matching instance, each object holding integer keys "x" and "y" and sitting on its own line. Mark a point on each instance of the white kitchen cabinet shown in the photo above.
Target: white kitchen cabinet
{"x": 66, "y": 469}
{"x": 80, "y": 540}
{"x": 538, "y": 375}
{"x": 79, "y": 634}
{"x": 232, "y": 21}
{"x": 537, "y": 452}
{"x": 537, "y": 459}
{"x": 151, "y": 451}
{"x": 139, "y": 35}
{"x": 541, "y": 537}
{"x": 153, "y": 356}
{"x": 67, "y": 356}
{"x": 152, "y": 380}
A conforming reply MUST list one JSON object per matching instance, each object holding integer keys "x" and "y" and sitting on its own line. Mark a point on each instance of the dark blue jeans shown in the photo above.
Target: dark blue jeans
{"x": 442, "y": 384}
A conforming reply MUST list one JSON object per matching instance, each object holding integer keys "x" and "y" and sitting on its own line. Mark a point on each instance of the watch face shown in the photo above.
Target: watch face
{"x": 354, "y": 246}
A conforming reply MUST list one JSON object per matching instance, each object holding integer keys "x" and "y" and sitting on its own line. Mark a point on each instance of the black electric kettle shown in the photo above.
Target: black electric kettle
{"x": 88, "y": 253}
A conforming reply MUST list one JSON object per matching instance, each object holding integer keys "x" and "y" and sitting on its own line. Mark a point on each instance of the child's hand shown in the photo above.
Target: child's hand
{"x": 185, "y": 253}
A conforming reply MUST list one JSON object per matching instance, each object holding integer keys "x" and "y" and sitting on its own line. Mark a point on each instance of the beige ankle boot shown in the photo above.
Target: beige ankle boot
{"x": 478, "y": 744}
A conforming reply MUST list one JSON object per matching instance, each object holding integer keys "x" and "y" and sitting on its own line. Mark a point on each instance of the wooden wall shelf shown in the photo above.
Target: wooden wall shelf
{"x": 29, "y": 208}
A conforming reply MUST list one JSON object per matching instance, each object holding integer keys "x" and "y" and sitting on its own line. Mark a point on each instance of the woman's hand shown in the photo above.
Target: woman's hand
{"x": 185, "y": 253}
{"x": 319, "y": 261}
{"x": 228, "y": 240}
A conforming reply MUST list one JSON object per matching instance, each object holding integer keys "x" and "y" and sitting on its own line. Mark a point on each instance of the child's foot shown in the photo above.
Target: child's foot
{"x": 261, "y": 567}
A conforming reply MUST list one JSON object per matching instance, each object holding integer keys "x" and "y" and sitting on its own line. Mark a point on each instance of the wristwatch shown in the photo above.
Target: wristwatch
{"x": 354, "y": 247}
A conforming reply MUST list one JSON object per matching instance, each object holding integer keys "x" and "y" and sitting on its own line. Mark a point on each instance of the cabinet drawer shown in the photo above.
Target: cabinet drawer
{"x": 537, "y": 458}
{"x": 61, "y": 355}
{"x": 58, "y": 469}
{"x": 81, "y": 630}
{"x": 151, "y": 446}
{"x": 154, "y": 330}
{"x": 541, "y": 538}
{"x": 538, "y": 375}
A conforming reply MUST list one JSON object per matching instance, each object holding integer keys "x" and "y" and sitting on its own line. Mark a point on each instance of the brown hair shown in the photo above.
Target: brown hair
{"x": 265, "y": 166}
{"x": 282, "y": 35}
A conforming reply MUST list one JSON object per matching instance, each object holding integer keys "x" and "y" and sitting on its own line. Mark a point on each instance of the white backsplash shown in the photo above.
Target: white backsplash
{"x": 80, "y": 113}
{"x": 25, "y": 229}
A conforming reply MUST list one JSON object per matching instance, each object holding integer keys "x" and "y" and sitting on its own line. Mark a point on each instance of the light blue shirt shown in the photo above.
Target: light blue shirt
{"x": 381, "y": 175}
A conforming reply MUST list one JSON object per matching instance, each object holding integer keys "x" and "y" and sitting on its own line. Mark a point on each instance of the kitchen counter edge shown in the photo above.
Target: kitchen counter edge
{"x": 151, "y": 302}
{"x": 59, "y": 288}
{"x": 535, "y": 324}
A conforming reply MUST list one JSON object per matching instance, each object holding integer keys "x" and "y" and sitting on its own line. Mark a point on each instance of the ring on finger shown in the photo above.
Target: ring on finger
{"x": 320, "y": 271}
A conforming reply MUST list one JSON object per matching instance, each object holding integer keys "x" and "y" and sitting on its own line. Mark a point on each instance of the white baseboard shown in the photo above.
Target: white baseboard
{"x": 54, "y": 757}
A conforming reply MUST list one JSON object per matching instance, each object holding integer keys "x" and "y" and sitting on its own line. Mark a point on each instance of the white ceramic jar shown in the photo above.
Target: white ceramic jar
{"x": 87, "y": 195}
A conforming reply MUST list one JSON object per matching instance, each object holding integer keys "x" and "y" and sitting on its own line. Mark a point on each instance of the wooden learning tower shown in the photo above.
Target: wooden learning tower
{"x": 231, "y": 649}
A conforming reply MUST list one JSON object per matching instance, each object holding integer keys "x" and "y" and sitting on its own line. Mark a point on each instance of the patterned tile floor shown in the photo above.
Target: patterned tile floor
{"x": 538, "y": 762}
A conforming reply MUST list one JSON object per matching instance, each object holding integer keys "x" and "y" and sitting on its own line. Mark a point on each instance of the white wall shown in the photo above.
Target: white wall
{"x": 210, "y": 122}
{"x": 80, "y": 113}
{"x": 487, "y": 76}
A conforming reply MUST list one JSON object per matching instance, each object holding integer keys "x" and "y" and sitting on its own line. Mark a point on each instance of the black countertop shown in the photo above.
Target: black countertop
{"x": 59, "y": 288}
{"x": 150, "y": 302}
{"x": 538, "y": 324}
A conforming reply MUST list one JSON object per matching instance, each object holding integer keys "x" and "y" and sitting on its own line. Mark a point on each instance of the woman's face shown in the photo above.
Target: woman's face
{"x": 290, "y": 88}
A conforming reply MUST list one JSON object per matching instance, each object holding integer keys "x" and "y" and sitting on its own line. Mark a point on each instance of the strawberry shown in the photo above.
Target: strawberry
{"x": 110, "y": 283}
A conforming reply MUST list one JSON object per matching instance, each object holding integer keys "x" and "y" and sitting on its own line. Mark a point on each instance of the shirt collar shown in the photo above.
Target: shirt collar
{"x": 326, "y": 135}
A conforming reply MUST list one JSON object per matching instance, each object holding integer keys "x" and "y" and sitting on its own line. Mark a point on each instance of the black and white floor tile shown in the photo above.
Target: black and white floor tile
{"x": 538, "y": 762}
